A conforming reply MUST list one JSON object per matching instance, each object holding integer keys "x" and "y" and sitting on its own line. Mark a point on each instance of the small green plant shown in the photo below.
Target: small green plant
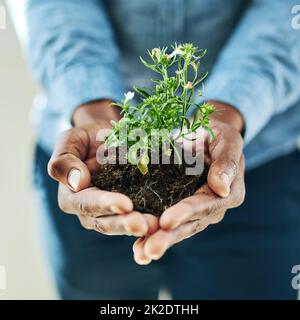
{"x": 165, "y": 107}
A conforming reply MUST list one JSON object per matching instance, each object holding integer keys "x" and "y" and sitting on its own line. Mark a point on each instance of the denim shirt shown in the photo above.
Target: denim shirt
{"x": 81, "y": 51}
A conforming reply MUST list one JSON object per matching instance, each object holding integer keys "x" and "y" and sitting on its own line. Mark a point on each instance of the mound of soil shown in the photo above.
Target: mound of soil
{"x": 163, "y": 186}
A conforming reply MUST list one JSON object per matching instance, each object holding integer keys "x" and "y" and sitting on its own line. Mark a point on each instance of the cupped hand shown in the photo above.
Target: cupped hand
{"x": 225, "y": 189}
{"x": 71, "y": 164}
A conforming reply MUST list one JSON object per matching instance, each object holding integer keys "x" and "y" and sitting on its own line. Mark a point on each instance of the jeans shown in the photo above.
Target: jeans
{"x": 249, "y": 255}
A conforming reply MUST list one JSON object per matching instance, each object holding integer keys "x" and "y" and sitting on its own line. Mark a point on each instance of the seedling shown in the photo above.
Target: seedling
{"x": 170, "y": 110}
{"x": 166, "y": 107}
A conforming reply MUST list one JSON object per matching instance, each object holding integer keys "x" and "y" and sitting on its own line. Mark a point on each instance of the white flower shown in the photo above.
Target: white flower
{"x": 176, "y": 52}
{"x": 129, "y": 96}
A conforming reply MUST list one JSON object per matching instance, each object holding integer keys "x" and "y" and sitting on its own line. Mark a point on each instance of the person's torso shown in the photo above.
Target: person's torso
{"x": 142, "y": 25}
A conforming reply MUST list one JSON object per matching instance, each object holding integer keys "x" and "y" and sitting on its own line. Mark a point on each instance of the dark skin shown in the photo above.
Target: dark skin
{"x": 112, "y": 213}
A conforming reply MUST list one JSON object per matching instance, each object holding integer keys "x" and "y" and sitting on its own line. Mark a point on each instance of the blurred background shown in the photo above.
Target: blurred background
{"x": 20, "y": 255}
{"x": 23, "y": 273}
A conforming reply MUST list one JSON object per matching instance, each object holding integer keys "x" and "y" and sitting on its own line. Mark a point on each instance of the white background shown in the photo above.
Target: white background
{"x": 26, "y": 275}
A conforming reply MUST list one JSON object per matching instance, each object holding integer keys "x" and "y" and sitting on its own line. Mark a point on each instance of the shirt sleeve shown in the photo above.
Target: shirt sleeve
{"x": 71, "y": 49}
{"x": 258, "y": 70}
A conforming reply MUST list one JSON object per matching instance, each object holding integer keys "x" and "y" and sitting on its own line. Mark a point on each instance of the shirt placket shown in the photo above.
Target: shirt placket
{"x": 171, "y": 18}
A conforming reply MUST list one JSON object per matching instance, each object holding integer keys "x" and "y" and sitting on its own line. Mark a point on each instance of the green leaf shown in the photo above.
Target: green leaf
{"x": 164, "y": 105}
{"x": 141, "y": 92}
{"x": 196, "y": 117}
{"x": 150, "y": 66}
{"x": 201, "y": 79}
{"x": 196, "y": 126}
{"x": 187, "y": 122}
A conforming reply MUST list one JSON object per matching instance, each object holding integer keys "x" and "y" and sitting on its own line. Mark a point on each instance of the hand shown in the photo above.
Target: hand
{"x": 224, "y": 189}
{"x": 71, "y": 164}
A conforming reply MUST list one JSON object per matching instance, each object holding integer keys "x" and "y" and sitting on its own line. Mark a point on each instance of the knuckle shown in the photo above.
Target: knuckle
{"x": 91, "y": 209}
{"x": 207, "y": 210}
{"x": 75, "y": 136}
{"x": 101, "y": 227}
{"x": 229, "y": 166}
{"x": 84, "y": 223}
{"x": 83, "y": 207}
{"x": 197, "y": 227}
{"x": 233, "y": 166}
{"x": 211, "y": 208}
{"x": 217, "y": 218}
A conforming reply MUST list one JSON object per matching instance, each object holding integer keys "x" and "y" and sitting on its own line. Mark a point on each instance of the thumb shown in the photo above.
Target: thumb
{"x": 226, "y": 152}
{"x": 220, "y": 176}
{"x": 66, "y": 164}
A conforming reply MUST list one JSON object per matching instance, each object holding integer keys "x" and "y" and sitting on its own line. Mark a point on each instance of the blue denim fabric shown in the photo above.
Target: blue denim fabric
{"x": 85, "y": 50}
{"x": 249, "y": 255}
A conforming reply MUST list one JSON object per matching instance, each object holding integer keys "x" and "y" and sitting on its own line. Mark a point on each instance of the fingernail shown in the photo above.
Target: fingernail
{"x": 116, "y": 209}
{"x": 74, "y": 178}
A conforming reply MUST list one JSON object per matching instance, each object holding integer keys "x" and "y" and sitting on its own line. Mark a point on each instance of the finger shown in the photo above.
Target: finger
{"x": 153, "y": 223}
{"x": 131, "y": 224}
{"x": 138, "y": 246}
{"x": 225, "y": 153}
{"x": 66, "y": 164}
{"x": 158, "y": 243}
{"x": 138, "y": 252}
{"x": 205, "y": 203}
{"x": 196, "y": 207}
{"x": 93, "y": 202}
{"x": 136, "y": 224}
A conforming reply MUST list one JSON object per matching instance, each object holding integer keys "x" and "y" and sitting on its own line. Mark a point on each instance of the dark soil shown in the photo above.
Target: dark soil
{"x": 163, "y": 186}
